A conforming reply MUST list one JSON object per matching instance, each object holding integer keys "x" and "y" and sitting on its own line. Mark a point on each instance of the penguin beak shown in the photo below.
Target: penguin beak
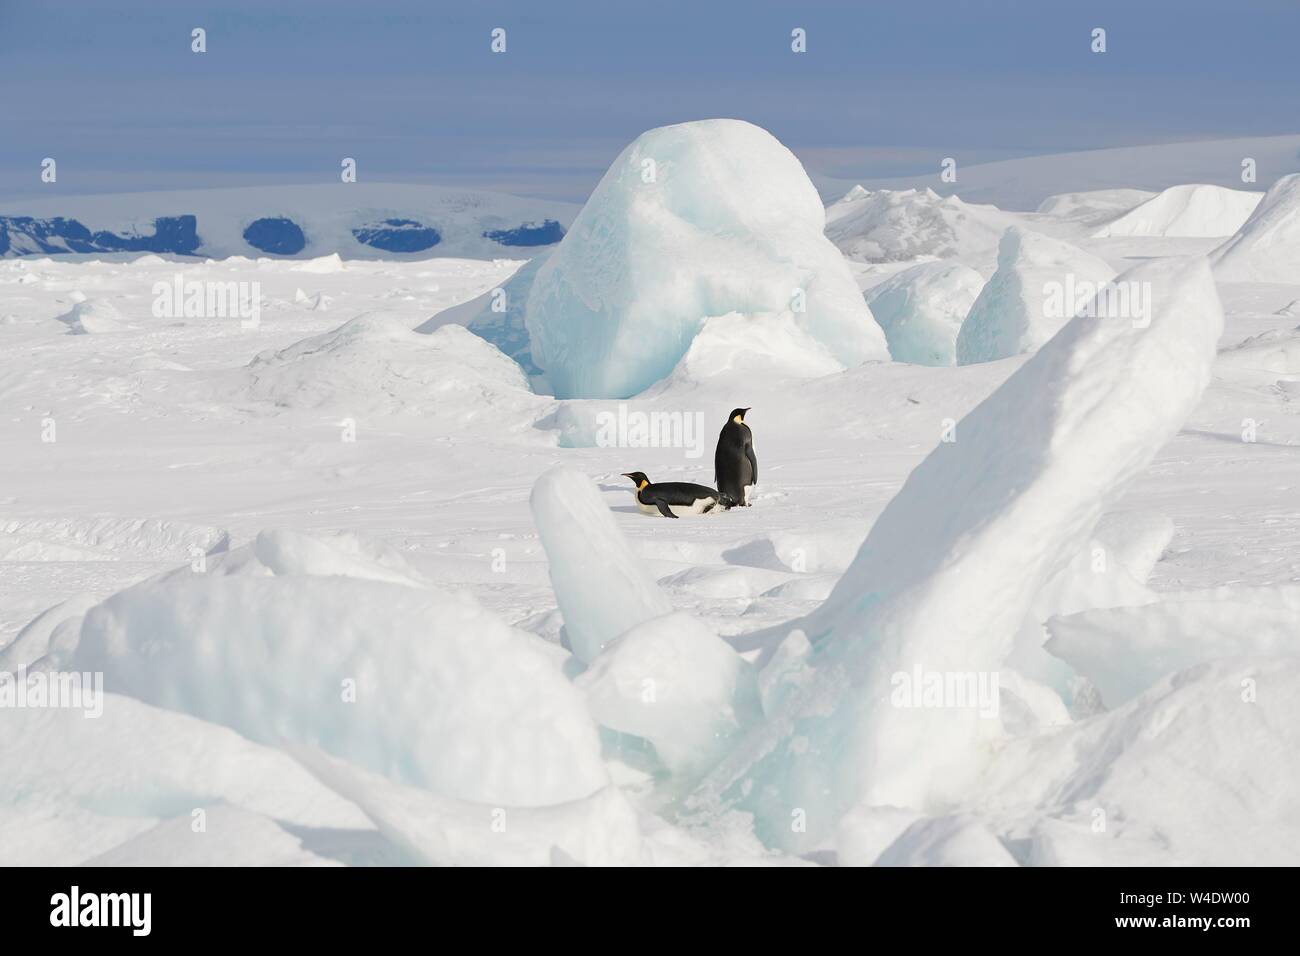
{"x": 626, "y": 475}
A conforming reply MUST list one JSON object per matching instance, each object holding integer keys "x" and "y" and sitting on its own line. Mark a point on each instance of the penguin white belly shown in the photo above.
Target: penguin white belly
{"x": 698, "y": 507}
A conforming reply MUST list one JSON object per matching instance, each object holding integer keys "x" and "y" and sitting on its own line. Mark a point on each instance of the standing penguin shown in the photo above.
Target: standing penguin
{"x": 735, "y": 469}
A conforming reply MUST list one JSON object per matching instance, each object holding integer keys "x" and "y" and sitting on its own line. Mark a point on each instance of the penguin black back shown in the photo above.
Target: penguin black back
{"x": 735, "y": 467}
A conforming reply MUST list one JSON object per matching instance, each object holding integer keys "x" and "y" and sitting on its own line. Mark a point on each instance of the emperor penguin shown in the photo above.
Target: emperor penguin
{"x": 672, "y": 499}
{"x": 735, "y": 468}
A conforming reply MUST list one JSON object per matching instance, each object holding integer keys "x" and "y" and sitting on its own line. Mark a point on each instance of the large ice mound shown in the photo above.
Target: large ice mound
{"x": 1191, "y": 211}
{"x": 691, "y": 221}
{"x": 922, "y": 308}
{"x": 1039, "y": 285}
{"x": 1267, "y": 247}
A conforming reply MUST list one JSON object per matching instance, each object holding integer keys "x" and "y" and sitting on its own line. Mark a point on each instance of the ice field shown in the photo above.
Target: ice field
{"x": 365, "y": 582}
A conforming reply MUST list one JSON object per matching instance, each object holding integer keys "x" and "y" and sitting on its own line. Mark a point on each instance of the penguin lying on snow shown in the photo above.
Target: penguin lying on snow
{"x": 668, "y": 497}
{"x": 735, "y": 468}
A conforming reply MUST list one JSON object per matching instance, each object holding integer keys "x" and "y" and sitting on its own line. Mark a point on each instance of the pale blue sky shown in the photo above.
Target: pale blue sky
{"x": 112, "y": 91}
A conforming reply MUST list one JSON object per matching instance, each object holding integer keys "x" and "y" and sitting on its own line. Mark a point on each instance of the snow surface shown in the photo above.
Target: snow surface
{"x": 691, "y": 221}
{"x": 207, "y": 530}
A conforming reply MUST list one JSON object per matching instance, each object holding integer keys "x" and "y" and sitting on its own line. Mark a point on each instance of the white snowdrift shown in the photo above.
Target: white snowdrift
{"x": 1195, "y": 210}
{"x": 1093, "y": 206}
{"x": 93, "y": 317}
{"x": 950, "y": 568}
{"x": 922, "y": 308}
{"x": 901, "y": 225}
{"x": 374, "y": 364}
{"x": 423, "y": 686}
{"x": 1267, "y": 247}
{"x": 1040, "y": 283}
{"x": 691, "y": 221}
{"x": 1125, "y": 650}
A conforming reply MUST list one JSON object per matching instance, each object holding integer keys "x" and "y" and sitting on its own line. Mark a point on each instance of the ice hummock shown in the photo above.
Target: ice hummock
{"x": 922, "y": 308}
{"x": 332, "y": 642}
{"x": 1030, "y": 296}
{"x": 690, "y": 222}
{"x": 949, "y": 570}
{"x": 600, "y": 587}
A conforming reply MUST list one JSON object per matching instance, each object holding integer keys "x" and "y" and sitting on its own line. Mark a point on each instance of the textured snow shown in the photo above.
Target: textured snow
{"x": 691, "y": 221}
{"x": 1094, "y": 206}
{"x": 922, "y": 308}
{"x": 900, "y": 226}
{"x": 1267, "y": 246}
{"x": 445, "y": 695}
{"x": 1012, "y": 313}
{"x": 1276, "y": 351}
{"x": 93, "y": 316}
{"x": 1186, "y": 211}
{"x": 375, "y": 363}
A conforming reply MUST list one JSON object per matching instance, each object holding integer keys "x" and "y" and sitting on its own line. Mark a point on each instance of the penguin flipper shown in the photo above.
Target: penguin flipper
{"x": 753, "y": 464}
{"x": 663, "y": 510}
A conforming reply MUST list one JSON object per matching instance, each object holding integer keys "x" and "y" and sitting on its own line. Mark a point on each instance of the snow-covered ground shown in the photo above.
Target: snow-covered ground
{"x": 359, "y": 546}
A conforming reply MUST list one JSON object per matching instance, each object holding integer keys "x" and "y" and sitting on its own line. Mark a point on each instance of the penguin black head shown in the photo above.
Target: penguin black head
{"x": 738, "y": 414}
{"x": 638, "y": 478}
